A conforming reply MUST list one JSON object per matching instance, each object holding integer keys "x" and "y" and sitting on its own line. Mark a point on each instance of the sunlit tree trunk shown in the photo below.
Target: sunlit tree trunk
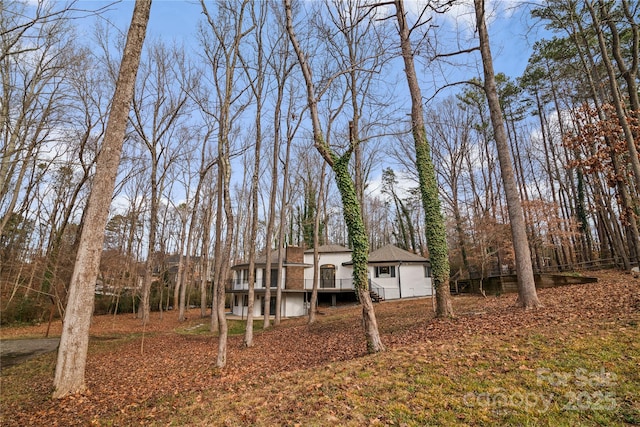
{"x": 205, "y": 264}
{"x": 352, "y": 212}
{"x": 272, "y": 205}
{"x": 527, "y": 295}
{"x": 284, "y": 208}
{"x": 223, "y": 53}
{"x": 74, "y": 341}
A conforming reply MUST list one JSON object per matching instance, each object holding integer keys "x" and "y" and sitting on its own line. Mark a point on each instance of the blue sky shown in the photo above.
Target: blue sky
{"x": 510, "y": 30}
{"x": 511, "y": 33}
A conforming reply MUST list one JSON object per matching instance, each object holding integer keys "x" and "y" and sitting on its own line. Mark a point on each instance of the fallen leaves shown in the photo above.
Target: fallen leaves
{"x": 135, "y": 388}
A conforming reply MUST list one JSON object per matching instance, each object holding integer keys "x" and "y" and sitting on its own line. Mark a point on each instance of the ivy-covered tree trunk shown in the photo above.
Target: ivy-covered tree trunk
{"x": 435, "y": 230}
{"x": 74, "y": 341}
{"x": 346, "y": 187}
{"x": 360, "y": 255}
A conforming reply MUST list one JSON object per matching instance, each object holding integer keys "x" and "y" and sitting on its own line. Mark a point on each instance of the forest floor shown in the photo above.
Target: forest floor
{"x": 576, "y": 361}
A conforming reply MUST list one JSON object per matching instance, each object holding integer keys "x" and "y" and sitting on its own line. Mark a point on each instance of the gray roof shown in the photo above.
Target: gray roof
{"x": 329, "y": 249}
{"x": 391, "y": 253}
{"x": 262, "y": 258}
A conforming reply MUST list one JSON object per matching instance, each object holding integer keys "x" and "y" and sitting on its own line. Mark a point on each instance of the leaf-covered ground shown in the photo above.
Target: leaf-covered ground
{"x": 434, "y": 372}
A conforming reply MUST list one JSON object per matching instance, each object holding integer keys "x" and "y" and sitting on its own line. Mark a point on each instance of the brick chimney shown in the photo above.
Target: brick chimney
{"x": 295, "y": 274}
{"x": 294, "y": 254}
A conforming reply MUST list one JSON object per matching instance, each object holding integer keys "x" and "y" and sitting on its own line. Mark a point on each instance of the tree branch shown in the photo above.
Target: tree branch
{"x": 459, "y": 52}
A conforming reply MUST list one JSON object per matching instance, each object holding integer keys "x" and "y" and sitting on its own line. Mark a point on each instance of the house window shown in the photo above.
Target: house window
{"x": 245, "y": 300}
{"x": 427, "y": 271}
{"x": 328, "y": 276}
{"x": 383, "y": 271}
{"x": 274, "y": 278}
{"x": 242, "y": 276}
{"x": 235, "y": 300}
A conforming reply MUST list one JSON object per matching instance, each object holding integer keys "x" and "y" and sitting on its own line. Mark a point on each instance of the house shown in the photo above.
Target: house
{"x": 171, "y": 267}
{"x": 396, "y": 273}
{"x": 291, "y": 282}
{"x": 393, "y": 274}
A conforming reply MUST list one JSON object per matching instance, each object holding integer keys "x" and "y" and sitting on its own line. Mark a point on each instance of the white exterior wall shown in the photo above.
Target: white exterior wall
{"x": 412, "y": 281}
{"x": 293, "y": 305}
{"x": 260, "y": 278}
{"x": 409, "y": 282}
{"x": 343, "y": 273}
{"x": 389, "y": 284}
{"x": 240, "y": 310}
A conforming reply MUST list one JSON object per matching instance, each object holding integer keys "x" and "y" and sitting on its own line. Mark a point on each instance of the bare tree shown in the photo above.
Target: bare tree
{"x": 32, "y": 98}
{"x": 284, "y": 210}
{"x": 351, "y": 206}
{"x": 158, "y": 106}
{"x": 449, "y": 128}
{"x": 18, "y": 25}
{"x": 313, "y": 302}
{"x": 74, "y": 342}
{"x": 527, "y": 295}
{"x": 222, "y": 53}
{"x": 256, "y": 77}
{"x": 281, "y": 66}
{"x": 359, "y": 45}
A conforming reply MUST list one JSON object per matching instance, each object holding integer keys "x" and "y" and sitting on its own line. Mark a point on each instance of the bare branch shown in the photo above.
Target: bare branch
{"x": 463, "y": 82}
{"x": 459, "y": 52}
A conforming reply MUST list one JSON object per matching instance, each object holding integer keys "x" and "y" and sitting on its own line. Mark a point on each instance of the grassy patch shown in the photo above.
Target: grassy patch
{"x": 235, "y": 327}
{"x": 37, "y": 373}
{"x": 238, "y": 327}
{"x": 542, "y": 379}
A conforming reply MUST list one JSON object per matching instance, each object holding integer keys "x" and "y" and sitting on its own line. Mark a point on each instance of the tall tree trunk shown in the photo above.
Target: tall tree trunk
{"x": 316, "y": 255}
{"x": 217, "y": 250}
{"x": 229, "y": 51}
{"x": 222, "y": 252}
{"x": 178, "y": 297}
{"x": 527, "y": 295}
{"x": 281, "y": 72}
{"x": 434, "y": 220}
{"x": 152, "y": 258}
{"x": 205, "y": 264}
{"x": 272, "y": 211}
{"x": 597, "y": 93}
{"x": 351, "y": 207}
{"x": 283, "y": 212}
{"x": 257, "y": 87}
{"x": 224, "y": 272}
{"x": 74, "y": 341}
